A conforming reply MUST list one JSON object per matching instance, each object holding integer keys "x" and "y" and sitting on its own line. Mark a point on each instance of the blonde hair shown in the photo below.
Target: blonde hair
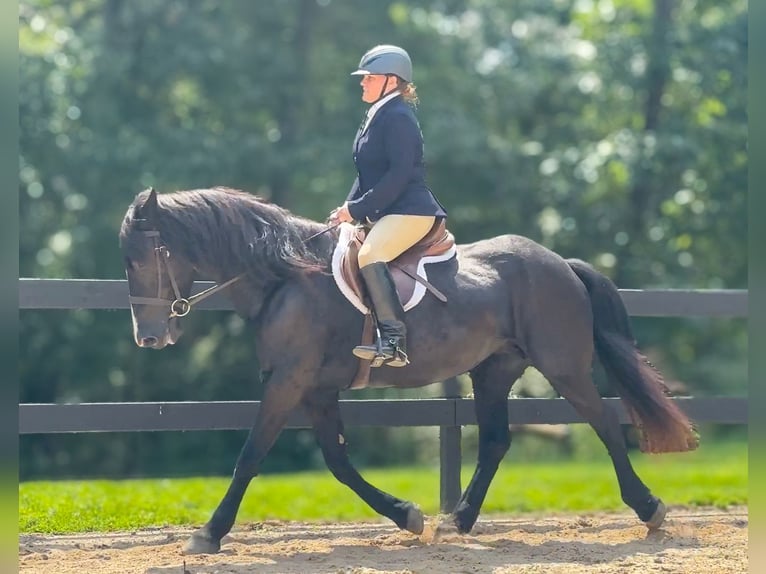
{"x": 409, "y": 92}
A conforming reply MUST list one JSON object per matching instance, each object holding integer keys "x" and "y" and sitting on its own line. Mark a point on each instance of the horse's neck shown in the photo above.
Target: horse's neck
{"x": 249, "y": 294}
{"x": 248, "y": 300}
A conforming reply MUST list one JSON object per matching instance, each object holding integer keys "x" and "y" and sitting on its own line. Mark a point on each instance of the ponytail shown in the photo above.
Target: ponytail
{"x": 409, "y": 92}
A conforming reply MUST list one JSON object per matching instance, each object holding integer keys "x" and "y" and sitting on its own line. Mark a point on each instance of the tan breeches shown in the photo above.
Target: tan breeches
{"x": 392, "y": 235}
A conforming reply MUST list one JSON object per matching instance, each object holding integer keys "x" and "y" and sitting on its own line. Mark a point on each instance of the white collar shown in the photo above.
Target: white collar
{"x": 377, "y": 105}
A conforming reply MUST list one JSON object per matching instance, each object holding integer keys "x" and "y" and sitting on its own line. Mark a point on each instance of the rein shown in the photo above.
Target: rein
{"x": 325, "y": 230}
{"x": 180, "y": 306}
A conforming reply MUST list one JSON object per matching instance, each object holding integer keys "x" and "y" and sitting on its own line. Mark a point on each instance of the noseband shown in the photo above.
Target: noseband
{"x": 180, "y": 306}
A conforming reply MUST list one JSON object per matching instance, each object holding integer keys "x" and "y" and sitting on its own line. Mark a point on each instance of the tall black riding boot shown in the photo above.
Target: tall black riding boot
{"x": 390, "y": 317}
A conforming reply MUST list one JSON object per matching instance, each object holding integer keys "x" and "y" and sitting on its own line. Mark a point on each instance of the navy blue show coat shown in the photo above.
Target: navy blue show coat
{"x": 391, "y": 177}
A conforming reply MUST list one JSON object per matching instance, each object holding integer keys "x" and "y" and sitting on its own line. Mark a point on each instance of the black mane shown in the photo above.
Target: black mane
{"x": 233, "y": 231}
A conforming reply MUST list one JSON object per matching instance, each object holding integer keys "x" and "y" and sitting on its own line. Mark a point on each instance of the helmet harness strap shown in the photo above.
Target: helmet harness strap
{"x": 383, "y": 88}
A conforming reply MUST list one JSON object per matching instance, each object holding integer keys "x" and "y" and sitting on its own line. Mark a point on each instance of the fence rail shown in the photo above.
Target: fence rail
{"x": 234, "y": 415}
{"x": 449, "y": 413}
{"x": 113, "y": 294}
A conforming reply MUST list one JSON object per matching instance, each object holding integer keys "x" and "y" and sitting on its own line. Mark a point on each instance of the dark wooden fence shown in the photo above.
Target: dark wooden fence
{"x": 448, "y": 413}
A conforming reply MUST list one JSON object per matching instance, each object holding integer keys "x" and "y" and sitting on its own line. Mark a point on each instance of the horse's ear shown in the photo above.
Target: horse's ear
{"x": 149, "y": 208}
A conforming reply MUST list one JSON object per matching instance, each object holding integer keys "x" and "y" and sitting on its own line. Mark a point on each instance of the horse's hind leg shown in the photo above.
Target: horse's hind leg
{"x": 581, "y": 392}
{"x": 561, "y": 346}
{"x": 324, "y": 412}
{"x": 492, "y": 381}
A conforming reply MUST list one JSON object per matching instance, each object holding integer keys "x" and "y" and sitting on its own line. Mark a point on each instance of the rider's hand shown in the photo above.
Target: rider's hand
{"x": 340, "y": 215}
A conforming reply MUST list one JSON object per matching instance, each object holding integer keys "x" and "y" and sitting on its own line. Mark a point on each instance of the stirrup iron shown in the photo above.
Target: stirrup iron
{"x": 379, "y": 357}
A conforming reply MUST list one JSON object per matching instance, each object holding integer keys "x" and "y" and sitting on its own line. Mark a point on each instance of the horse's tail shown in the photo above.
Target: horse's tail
{"x": 662, "y": 425}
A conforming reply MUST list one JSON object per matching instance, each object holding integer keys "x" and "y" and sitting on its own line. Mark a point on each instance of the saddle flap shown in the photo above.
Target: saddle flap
{"x": 349, "y": 263}
{"x": 437, "y": 245}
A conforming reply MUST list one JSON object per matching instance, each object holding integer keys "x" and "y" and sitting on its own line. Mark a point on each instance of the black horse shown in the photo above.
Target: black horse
{"x": 511, "y": 303}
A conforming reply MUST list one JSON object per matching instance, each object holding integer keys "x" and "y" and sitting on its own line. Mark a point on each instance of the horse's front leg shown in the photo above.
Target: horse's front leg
{"x": 281, "y": 395}
{"x": 323, "y": 409}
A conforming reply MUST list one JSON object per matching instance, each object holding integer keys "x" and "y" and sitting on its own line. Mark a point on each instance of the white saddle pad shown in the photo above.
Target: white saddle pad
{"x": 344, "y": 240}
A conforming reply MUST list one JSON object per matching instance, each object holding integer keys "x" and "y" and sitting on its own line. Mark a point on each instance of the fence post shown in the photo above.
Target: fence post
{"x": 449, "y": 455}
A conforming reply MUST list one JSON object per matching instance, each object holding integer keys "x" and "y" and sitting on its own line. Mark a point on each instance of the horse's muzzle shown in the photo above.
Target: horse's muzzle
{"x": 169, "y": 336}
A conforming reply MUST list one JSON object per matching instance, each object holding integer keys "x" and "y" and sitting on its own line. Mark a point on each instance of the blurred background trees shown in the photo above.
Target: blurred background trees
{"x": 610, "y": 130}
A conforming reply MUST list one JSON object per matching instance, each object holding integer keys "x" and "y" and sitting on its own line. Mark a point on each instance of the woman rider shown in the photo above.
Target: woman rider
{"x": 389, "y": 194}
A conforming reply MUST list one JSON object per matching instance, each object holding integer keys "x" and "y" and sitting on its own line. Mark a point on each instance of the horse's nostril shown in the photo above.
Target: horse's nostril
{"x": 147, "y": 342}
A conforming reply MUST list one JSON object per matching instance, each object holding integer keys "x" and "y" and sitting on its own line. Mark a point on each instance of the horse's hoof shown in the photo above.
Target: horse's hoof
{"x": 415, "y": 520}
{"x": 445, "y": 528}
{"x": 201, "y": 544}
{"x": 658, "y": 517}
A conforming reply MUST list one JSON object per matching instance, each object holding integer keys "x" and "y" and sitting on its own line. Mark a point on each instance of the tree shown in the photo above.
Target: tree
{"x": 613, "y": 131}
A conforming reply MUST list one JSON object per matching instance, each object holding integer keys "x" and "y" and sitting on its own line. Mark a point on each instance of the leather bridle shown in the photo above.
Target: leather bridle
{"x": 180, "y": 306}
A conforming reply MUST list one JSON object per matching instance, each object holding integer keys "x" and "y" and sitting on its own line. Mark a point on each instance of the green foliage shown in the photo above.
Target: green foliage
{"x": 595, "y": 127}
{"x": 714, "y": 475}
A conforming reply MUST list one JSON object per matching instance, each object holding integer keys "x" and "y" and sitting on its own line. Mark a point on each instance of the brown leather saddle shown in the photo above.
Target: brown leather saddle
{"x": 437, "y": 245}
{"x": 404, "y": 269}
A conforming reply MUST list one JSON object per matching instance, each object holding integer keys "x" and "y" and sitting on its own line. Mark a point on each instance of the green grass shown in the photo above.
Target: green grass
{"x": 715, "y": 475}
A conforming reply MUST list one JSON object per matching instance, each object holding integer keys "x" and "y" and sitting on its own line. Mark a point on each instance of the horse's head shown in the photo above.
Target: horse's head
{"x": 159, "y": 282}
